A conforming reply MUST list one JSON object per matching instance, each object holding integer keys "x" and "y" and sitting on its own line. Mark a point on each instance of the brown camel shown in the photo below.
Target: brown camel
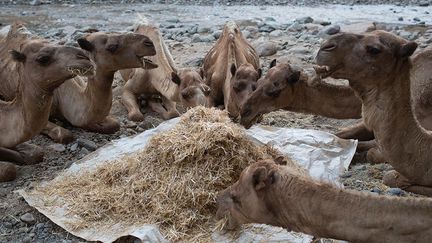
{"x": 278, "y": 195}
{"x": 86, "y": 102}
{"x": 285, "y": 87}
{"x": 164, "y": 82}
{"x": 227, "y": 69}
{"x": 379, "y": 69}
{"x": 41, "y": 68}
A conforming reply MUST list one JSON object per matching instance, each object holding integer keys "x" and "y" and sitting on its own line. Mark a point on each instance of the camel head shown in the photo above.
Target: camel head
{"x": 231, "y": 30}
{"x": 245, "y": 201}
{"x": 112, "y": 51}
{"x": 279, "y": 78}
{"x": 193, "y": 91}
{"x": 48, "y": 65}
{"x": 242, "y": 84}
{"x": 365, "y": 59}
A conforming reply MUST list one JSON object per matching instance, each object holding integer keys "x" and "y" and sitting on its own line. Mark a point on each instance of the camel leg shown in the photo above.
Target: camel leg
{"x": 23, "y": 154}
{"x": 395, "y": 179}
{"x": 58, "y": 133}
{"x": 357, "y": 131}
{"x": 364, "y": 146}
{"x": 160, "y": 109}
{"x": 109, "y": 125}
{"x": 130, "y": 101}
{"x": 7, "y": 171}
{"x": 374, "y": 156}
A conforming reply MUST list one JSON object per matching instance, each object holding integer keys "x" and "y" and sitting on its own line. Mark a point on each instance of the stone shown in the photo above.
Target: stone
{"x": 266, "y": 28}
{"x": 325, "y": 23}
{"x": 204, "y": 30}
{"x": 207, "y": 38}
{"x": 295, "y": 27}
{"x": 196, "y": 38}
{"x": 266, "y": 49}
{"x": 304, "y": 20}
{"x": 300, "y": 50}
{"x": 90, "y": 145}
{"x": 57, "y": 147}
{"x": 173, "y": 20}
{"x": 35, "y": 3}
{"x": 400, "y": 18}
{"x": 270, "y": 19}
{"x": 276, "y": 33}
{"x": 395, "y": 191}
{"x": 376, "y": 190}
{"x": 424, "y": 4}
{"x": 74, "y": 147}
{"x": 217, "y": 33}
{"x": 28, "y": 218}
{"x": 416, "y": 19}
{"x": 84, "y": 151}
{"x": 331, "y": 30}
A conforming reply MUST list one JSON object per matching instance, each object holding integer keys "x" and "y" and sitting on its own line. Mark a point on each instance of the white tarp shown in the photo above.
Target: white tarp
{"x": 322, "y": 154}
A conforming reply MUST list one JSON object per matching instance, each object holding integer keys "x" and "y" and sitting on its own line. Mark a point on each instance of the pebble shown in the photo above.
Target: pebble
{"x": 84, "y": 151}
{"x": 416, "y": 19}
{"x": 400, "y": 18}
{"x": 304, "y": 20}
{"x": 395, "y": 191}
{"x": 376, "y": 190}
{"x": 204, "y": 30}
{"x": 266, "y": 49}
{"x": 295, "y": 27}
{"x": 57, "y": 147}
{"x": 266, "y": 28}
{"x": 331, "y": 30}
{"x": 216, "y": 34}
{"x": 28, "y": 218}
{"x": 90, "y": 145}
{"x": 35, "y": 3}
{"x": 74, "y": 147}
{"x": 173, "y": 20}
{"x": 424, "y": 4}
{"x": 276, "y": 33}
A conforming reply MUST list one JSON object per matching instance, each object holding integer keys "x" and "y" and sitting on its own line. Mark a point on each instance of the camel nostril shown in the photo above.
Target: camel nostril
{"x": 328, "y": 47}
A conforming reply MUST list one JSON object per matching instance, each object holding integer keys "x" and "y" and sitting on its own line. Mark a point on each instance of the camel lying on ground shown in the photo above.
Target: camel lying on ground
{"x": 86, "y": 102}
{"x": 285, "y": 87}
{"x": 164, "y": 82}
{"x": 41, "y": 68}
{"x": 279, "y": 195}
{"x": 379, "y": 69}
{"x": 231, "y": 69}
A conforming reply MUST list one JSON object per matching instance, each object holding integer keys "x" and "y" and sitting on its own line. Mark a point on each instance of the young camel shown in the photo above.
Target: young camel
{"x": 41, "y": 68}
{"x": 231, "y": 69}
{"x": 164, "y": 82}
{"x": 285, "y": 87}
{"x": 279, "y": 195}
{"x": 379, "y": 69}
{"x": 86, "y": 102}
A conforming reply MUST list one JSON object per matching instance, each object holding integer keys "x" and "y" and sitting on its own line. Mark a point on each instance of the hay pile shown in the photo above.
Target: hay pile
{"x": 172, "y": 183}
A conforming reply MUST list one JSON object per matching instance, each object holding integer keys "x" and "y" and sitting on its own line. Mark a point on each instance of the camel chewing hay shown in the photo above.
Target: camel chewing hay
{"x": 172, "y": 182}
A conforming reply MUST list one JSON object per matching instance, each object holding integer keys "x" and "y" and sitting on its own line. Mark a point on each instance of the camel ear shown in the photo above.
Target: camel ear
{"x": 294, "y": 77}
{"x": 259, "y": 73}
{"x": 273, "y": 63}
{"x": 175, "y": 78}
{"x": 233, "y": 69}
{"x": 85, "y": 44}
{"x": 17, "y": 56}
{"x": 262, "y": 178}
{"x": 408, "y": 49}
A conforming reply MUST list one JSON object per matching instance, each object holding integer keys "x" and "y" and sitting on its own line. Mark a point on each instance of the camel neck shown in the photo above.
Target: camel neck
{"x": 325, "y": 211}
{"x": 388, "y": 111}
{"x": 334, "y": 101}
{"x": 100, "y": 83}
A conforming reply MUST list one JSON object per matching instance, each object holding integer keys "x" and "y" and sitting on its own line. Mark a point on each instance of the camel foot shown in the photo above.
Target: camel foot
{"x": 107, "y": 126}
{"x": 59, "y": 134}
{"x": 31, "y": 154}
{"x": 395, "y": 179}
{"x": 7, "y": 171}
{"x": 374, "y": 156}
{"x": 170, "y": 115}
{"x": 357, "y": 131}
{"x": 136, "y": 116}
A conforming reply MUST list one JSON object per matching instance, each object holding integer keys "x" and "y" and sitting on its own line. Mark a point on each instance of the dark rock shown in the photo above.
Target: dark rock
{"x": 395, "y": 191}
{"x": 74, "y": 147}
{"x": 400, "y": 18}
{"x": 424, "y": 4}
{"x": 173, "y": 20}
{"x": 35, "y": 3}
{"x": 216, "y": 34}
{"x": 266, "y": 28}
{"x": 331, "y": 30}
{"x": 376, "y": 190}
{"x": 304, "y": 20}
{"x": 416, "y": 19}
{"x": 266, "y": 49}
{"x": 28, "y": 218}
{"x": 90, "y": 145}
{"x": 57, "y": 147}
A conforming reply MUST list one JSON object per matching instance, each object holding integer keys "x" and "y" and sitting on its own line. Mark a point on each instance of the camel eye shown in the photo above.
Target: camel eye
{"x": 43, "y": 60}
{"x": 112, "y": 48}
{"x": 235, "y": 200}
{"x": 253, "y": 87}
{"x": 373, "y": 50}
{"x": 148, "y": 43}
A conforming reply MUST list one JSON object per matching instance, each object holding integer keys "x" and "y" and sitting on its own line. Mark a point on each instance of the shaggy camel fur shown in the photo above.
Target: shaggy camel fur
{"x": 86, "y": 102}
{"x": 41, "y": 68}
{"x": 379, "y": 69}
{"x": 285, "y": 87}
{"x": 227, "y": 69}
{"x": 164, "y": 82}
{"x": 278, "y": 195}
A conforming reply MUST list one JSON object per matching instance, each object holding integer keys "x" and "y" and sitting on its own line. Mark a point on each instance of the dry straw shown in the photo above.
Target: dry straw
{"x": 173, "y": 182}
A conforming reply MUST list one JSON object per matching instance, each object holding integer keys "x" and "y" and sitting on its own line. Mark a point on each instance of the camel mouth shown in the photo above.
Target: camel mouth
{"x": 328, "y": 71}
{"x": 248, "y": 122}
{"x": 81, "y": 70}
{"x": 148, "y": 64}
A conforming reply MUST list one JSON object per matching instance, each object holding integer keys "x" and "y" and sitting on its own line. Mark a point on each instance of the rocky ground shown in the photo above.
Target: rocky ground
{"x": 285, "y": 33}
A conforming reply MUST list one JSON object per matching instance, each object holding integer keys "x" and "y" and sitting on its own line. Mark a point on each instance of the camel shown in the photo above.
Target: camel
{"x": 269, "y": 193}
{"x": 41, "y": 68}
{"x": 228, "y": 70}
{"x": 379, "y": 69}
{"x": 286, "y": 87}
{"x": 163, "y": 83}
{"x": 86, "y": 102}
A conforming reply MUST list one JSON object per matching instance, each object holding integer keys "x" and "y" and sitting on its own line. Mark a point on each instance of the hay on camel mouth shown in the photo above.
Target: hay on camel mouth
{"x": 173, "y": 182}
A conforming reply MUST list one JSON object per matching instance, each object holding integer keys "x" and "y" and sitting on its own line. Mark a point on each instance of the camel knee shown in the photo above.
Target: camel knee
{"x": 107, "y": 126}
{"x": 30, "y": 154}
{"x": 374, "y": 156}
{"x": 7, "y": 172}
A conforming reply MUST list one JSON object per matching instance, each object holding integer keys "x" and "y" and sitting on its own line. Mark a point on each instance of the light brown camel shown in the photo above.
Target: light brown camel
{"x": 86, "y": 102}
{"x": 379, "y": 69}
{"x": 286, "y": 87}
{"x": 41, "y": 68}
{"x": 164, "y": 82}
{"x": 278, "y": 195}
{"x": 231, "y": 51}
